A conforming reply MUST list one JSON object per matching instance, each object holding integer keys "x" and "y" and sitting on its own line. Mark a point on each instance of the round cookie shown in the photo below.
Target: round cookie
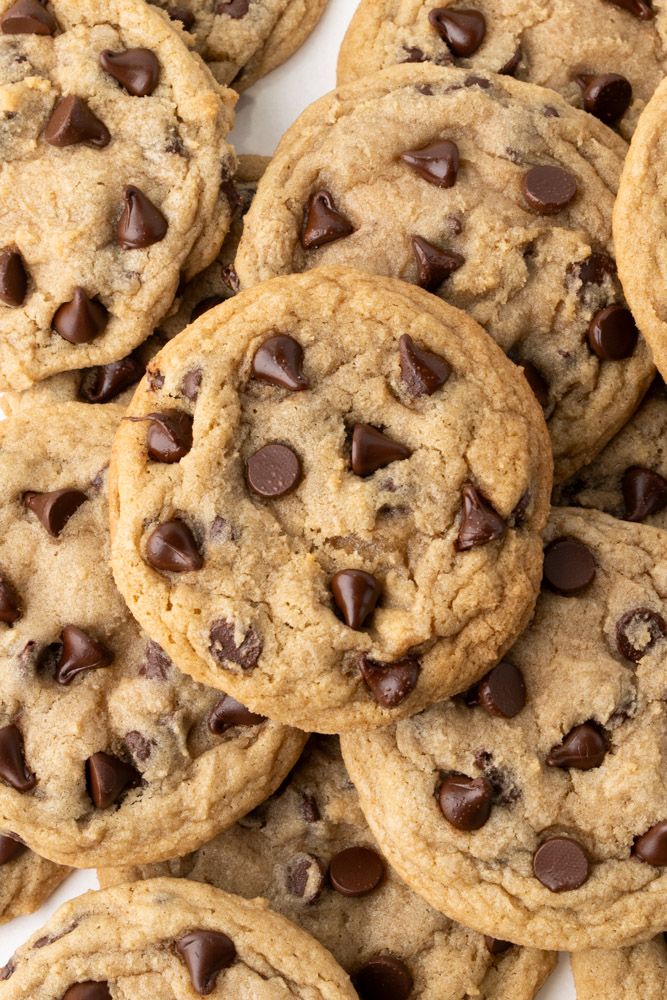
{"x": 638, "y": 973}
{"x": 106, "y": 750}
{"x": 173, "y": 939}
{"x": 113, "y": 140}
{"x": 354, "y": 531}
{"x": 26, "y": 880}
{"x": 606, "y": 56}
{"x": 494, "y": 194}
{"x": 294, "y": 850}
{"x": 535, "y": 806}
{"x": 629, "y": 477}
{"x": 639, "y": 226}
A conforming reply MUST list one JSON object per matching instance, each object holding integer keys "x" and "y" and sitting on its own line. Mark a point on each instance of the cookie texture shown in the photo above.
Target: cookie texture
{"x": 26, "y": 880}
{"x": 283, "y": 851}
{"x": 354, "y": 530}
{"x": 534, "y": 807}
{"x": 105, "y": 748}
{"x": 495, "y": 195}
{"x": 638, "y": 973}
{"x": 578, "y": 47}
{"x": 172, "y": 938}
{"x": 113, "y": 169}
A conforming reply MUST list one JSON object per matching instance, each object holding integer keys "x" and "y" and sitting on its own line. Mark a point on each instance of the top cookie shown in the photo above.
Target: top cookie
{"x": 605, "y": 56}
{"x": 497, "y": 196}
{"x": 352, "y": 532}
{"x": 113, "y": 153}
{"x": 638, "y": 973}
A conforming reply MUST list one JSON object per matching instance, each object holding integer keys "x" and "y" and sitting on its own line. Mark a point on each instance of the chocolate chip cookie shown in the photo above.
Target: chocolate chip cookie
{"x": 309, "y": 852}
{"x": 638, "y": 973}
{"x": 26, "y": 880}
{"x": 534, "y": 807}
{"x": 106, "y": 750}
{"x": 493, "y": 194}
{"x": 171, "y": 938}
{"x": 114, "y": 163}
{"x": 329, "y": 496}
{"x": 605, "y": 56}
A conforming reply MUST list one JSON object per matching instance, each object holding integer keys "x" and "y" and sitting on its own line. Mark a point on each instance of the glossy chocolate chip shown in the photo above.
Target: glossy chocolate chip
{"x": 536, "y": 381}
{"x": 228, "y": 713}
{"x": 279, "y": 361}
{"x": 73, "y": 123}
{"x": 612, "y": 333}
{"x": 651, "y": 847}
{"x": 142, "y": 223}
{"x": 273, "y": 471}
{"x": 644, "y": 492}
{"x": 465, "y": 802}
{"x": 503, "y": 691}
{"x": 28, "y": 17}
{"x": 561, "y": 864}
{"x": 356, "y": 871}
{"x": 638, "y": 8}
{"x": 223, "y": 647}
{"x": 156, "y": 665}
{"x": 637, "y": 632}
{"x": 13, "y": 768}
{"x": 88, "y": 991}
{"x": 137, "y": 70}
{"x": 304, "y": 877}
{"x": 495, "y": 946}
{"x": 13, "y": 278}
{"x": 233, "y": 8}
{"x": 356, "y": 593}
{"x": 511, "y": 66}
{"x": 606, "y": 96}
{"x": 79, "y": 653}
{"x": 437, "y": 163}
{"x": 583, "y": 748}
{"x": 569, "y": 566}
{"x": 107, "y": 777}
{"x": 480, "y": 522}
{"x": 390, "y": 683}
{"x": 210, "y": 302}
{"x": 10, "y": 611}
{"x": 462, "y": 30}
{"x": 191, "y": 384}
{"x": 383, "y": 978}
{"x": 206, "y": 954}
{"x": 323, "y": 223}
{"x": 10, "y": 849}
{"x": 373, "y": 450}
{"x": 171, "y": 548}
{"x": 422, "y": 372}
{"x": 54, "y": 509}
{"x": 433, "y": 264}
{"x": 108, "y": 381}
{"x": 169, "y": 435}
{"x": 81, "y": 320}
{"x": 549, "y": 189}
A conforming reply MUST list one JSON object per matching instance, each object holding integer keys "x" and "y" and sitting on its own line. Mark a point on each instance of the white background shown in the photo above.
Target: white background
{"x": 263, "y": 115}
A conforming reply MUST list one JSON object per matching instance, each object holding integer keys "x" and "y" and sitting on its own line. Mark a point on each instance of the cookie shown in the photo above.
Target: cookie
{"x": 114, "y": 180}
{"x": 605, "y": 56}
{"x": 638, "y": 973}
{"x": 639, "y": 226}
{"x": 171, "y": 938}
{"x": 495, "y": 195}
{"x": 534, "y": 807}
{"x": 26, "y": 880}
{"x": 309, "y": 852}
{"x": 348, "y": 527}
{"x": 106, "y": 750}
{"x": 629, "y": 477}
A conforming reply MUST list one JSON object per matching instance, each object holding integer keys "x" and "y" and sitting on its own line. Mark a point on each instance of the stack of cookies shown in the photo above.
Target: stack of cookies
{"x": 333, "y": 503}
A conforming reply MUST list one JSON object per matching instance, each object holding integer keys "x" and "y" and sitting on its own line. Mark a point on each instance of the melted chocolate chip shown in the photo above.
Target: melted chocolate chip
{"x": 606, "y": 96}
{"x": 495, "y": 946}
{"x": 54, "y": 509}
{"x": 13, "y": 768}
{"x": 233, "y": 8}
{"x": 463, "y": 31}
{"x": 569, "y": 566}
{"x": 28, "y": 17}
{"x": 373, "y": 450}
{"x": 224, "y": 650}
{"x": 638, "y": 8}
{"x": 139, "y": 746}
{"x": 273, "y": 471}
{"x": 106, "y": 382}
{"x": 88, "y": 991}
{"x": 206, "y": 954}
{"x": 10, "y": 849}
{"x": 323, "y": 222}
{"x": 309, "y": 808}
{"x": 651, "y": 847}
{"x": 356, "y": 593}
{"x": 390, "y": 683}
{"x": 10, "y": 611}
{"x": 503, "y": 691}
{"x": 583, "y": 748}
{"x": 512, "y": 64}
{"x": 437, "y": 163}
{"x": 81, "y": 320}
{"x": 644, "y": 492}
{"x": 465, "y": 802}
{"x": 108, "y": 777}
{"x": 169, "y": 435}
{"x": 172, "y": 548}
{"x": 422, "y": 372}
{"x": 480, "y": 522}
{"x": 613, "y": 334}
{"x": 13, "y": 278}
{"x": 549, "y": 189}
{"x": 79, "y": 653}
{"x": 356, "y": 871}
{"x": 304, "y": 877}
{"x": 229, "y": 713}
{"x": 594, "y": 269}
{"x": 561, "y": 864}
{"x": 142, "y": 223}
{"x": 537, "y": 382}
{"x": 433, "y": 264}
{"x": 137, "y": 70}
{"x": 637, "y": 632}
{"x": 157, "y": 665}
{"x": 383, "y": 978}
{"x": 191, "y": 384}
{"x": 279, "y": 361}
{"x": 73, "y": 123}
{"x": 183, "y": 15}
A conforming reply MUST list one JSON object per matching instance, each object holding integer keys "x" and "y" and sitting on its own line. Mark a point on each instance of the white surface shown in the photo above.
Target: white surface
{"x": 263, "y": 115}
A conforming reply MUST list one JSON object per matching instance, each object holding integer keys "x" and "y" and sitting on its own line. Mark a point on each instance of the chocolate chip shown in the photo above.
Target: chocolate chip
{"x": 463, "y": 31}
{"x": 413, "y": 55}
{"x": 480, "y": 522}
{"x": 536, "y": 381}
{"x": 465, "y": 802}
{"x": 651, "y": 847}
{"x": 433, "y": 264}
{"x": 437, "y": 163}
{"x": 323, "y": 222}
{"x": 230, "y": 278}
{"x": 422, "y": 371}
{"x": 171, "y": 548}
{"x": 233, "y": 8}
{"x": 561, "y": 864}
{"x": 13, "y": 768}
{"x": 54, "y": 509}
{"x": 228, "y": 713}
{"x": 612, "y": 333}
{"x": 503, "y": 691}
{"x": 569, "y": 566}
{"x": 309, "y": 808}
{"x": 550, "y": 112}
{"x": 512, "y": 64}
{"x": 182, "y": 14}
{"x": 107, "y": 777}
{"x": 383, "y": 978}
{"x": 223, "y": 646}
{"x": 9, "y": 607}
{"x": 169, "y": 435}
{"x": 191, "y": 384}
{"x": 594, "y": 269}
{"x": 304, "y": 877}
{"x": 373, "y": 450}
{"x": 81, "y": 320}
{"x": 28, "y": 17}
{"x": 583, "y": 748}
{"x": 13, "y": 278}
{"x": 108, "y": 381}
{"x": 140, "y": 746}
{"x": 273, "y": 471}
{"x": 548, "y": 189}
{"x": 390, "y": 683}
{"x": 639, "y": 8}
{"x": 495, "y": 946}
{"x": 644, "y": 492}
{"x": 356, "y": 593}
{"x": 88, "y": 991}
{"x": 279, "y": 361}
{"x": 606, "y": 96}
{"x": 8, "y": 970}
{"x": 72, "y": 122}
{"x": 206, "y": 954}
{"x": 356, "y": 871}
{"x": 157, "y": 665}
{"x": 203, "y": 307}
{"x": 142, "y": 224}
{"x": 10, "y": 848}
{"x": 79, "y": 653}
{"x": 137, "y": 70}
{"x": 637, "y": 632}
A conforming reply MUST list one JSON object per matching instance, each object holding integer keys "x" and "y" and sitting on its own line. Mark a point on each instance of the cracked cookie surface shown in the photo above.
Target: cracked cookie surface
{"x": 638, "y": 973}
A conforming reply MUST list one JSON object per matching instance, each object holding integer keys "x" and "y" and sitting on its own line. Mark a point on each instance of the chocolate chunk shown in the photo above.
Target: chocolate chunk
{"x": 644, "y": 492}
{"x": 9, "y": 607}
{"x": 203, "y": 307}
{"x": 390, "y": 683}
{"x": 13, "y": 768}
{"x": 304, "y": 877}
{"x": 356, "y": 871}
{"x": 54, "y": 509}
{"x": 323, "y": 222}
{"x": 142, "y": 223}
{"x": 28, "y": 17}
{"x": 383, "y": 978}
{"x": 79, "y": 653}
{"x": 72, "y": 122}
{"x": 223, "y": 645}
{"x": 206, "y": 954}
{"x": 549, "y": 189}
{"x": 536, "y": 381}
{"x": 108, "y": 381}
{"x": 233, "y": 8}
{"x": 606, "y": 96}
{"x": 107, "y": 777}
{"x": 437, "y": 163}
{"x": 81, "y": 320}
{"x": 639, "y": 8}
{"x": 171, "y": 548}
{"x": 183, "y": 15}
{"x": 480, "y": 522}
{"x": 373, "y": 450}
{"x": 503, "y": 691}
{"x": 583, "y": 748}
{"x": 88, "y": 991}
{"x": 356, "y": 593}
{"x": 612, "y": 333}
{"x": 495, "y": 946}
{"x": 229, "y": 712}
{"x": 465, "y": 802}
{"x": 594, "y": 269}
{"x": 569, "y": 566}
{"x": 157, "y": 665}
{"x": 463, "y": 31}
{"x": 512, "y": 64}
{"x": 561, "y": 864}
{"x": 651, "y": 847}
{"x": 433, "y": 264}
{"x": 273, "y": 471}
{"x": 137, "y": 70}
{"x": 13, "y": 278}
{"x": 637, "y": 632}
{"x": 10, "y": 848}
{"x": 191, "y": 384}
{"x": 422, "y": 372}
{"x": 169, "y": 435}
{"x": 279, "y": 361}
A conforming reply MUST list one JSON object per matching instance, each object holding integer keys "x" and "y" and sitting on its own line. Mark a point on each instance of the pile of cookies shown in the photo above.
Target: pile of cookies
{"x": 333, "y": 502}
